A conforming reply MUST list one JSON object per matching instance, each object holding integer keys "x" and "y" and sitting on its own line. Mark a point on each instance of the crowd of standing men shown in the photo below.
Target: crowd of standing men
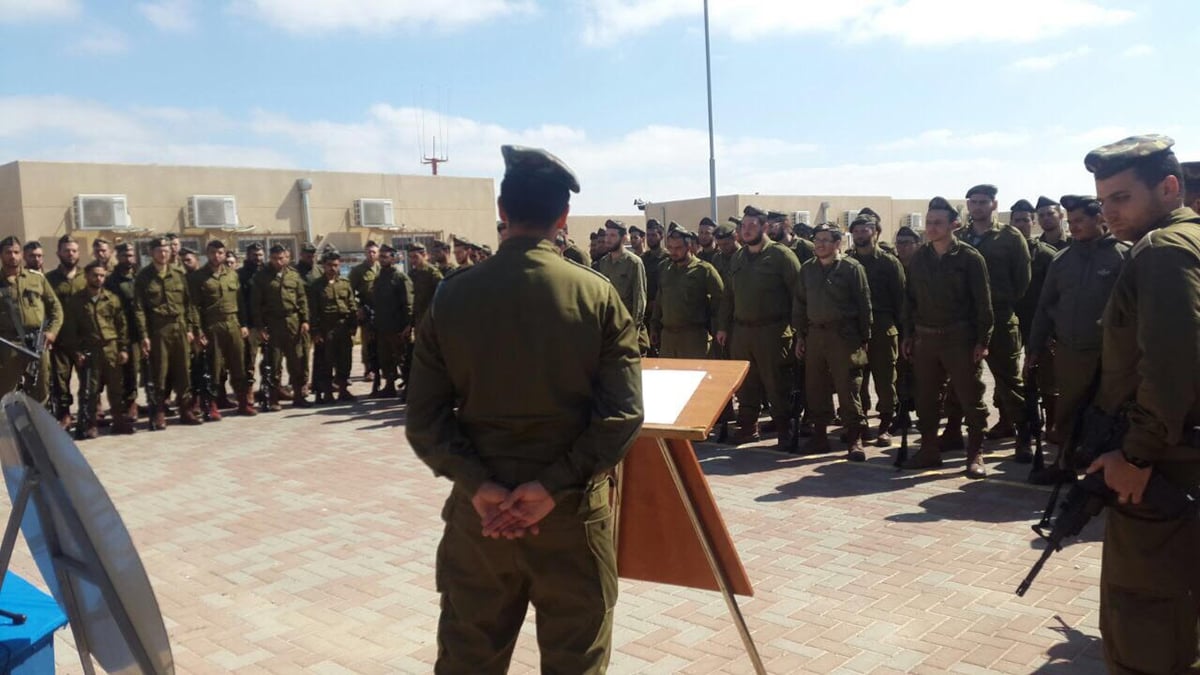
{"x": 190, "y": 326}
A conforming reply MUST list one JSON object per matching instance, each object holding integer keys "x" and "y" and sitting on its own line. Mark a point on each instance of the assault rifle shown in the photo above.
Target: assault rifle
{"x": 267, "y": 371}
{"x": 151, "y": 389}
{"x": 203, "y": 386}
{"x": 799, "y": 403}
{"x": 1034, "y": 418}
{"x": 904, "y": 420}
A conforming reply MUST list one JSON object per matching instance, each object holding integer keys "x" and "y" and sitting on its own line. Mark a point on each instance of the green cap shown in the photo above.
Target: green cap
{"x": 776, "y": 217}
{"x": 1045, "y": 201}
{"x": 1109, "y": 160}
{"x": 723, "y": 231}
{"x": 984, "y": 189}
{"x": 753, "y": 211}
{"x": 520, "y": 161}
{"x": 1024, "y": 205}
{"x": 941, "y": 204}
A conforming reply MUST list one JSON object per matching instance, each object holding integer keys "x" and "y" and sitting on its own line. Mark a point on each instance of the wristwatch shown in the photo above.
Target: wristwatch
{"x": 1136, "y": 461}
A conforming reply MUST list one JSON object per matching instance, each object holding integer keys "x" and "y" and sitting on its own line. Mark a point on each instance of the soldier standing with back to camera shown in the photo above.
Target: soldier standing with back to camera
{"x": 167, "y": 322}
{"x": 28, "y": 305}
{"x": 529, "y": 519}
{"x": 1077, "y": 287}
{"x": 833, "y": 328}
{"x": 1150, "y": 575}
{"x": 755, "y": 324}
{"x": 225, "y": 325}
{"x": 689, "y": 296}
{"x": 948, "y": 325}
{"x": 885, "y": 277}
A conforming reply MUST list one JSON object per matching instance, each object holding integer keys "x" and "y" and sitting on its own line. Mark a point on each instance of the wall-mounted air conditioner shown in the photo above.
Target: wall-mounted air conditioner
{"x": 101, "y": 212}
{"x": 212, "y": 211}
{"x": 916, "y": 221}
{"x": 374, "y": 213}
{"x": 801, "y": 218}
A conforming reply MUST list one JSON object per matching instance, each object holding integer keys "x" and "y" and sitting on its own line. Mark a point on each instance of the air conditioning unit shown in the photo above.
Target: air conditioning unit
{"x": 101, "y": 212}
{"x": 916, "y": 221}
{"x": 212, "y": 211}
{"x": 374, "y": 213}
{"x": 848, "y": 217}
{"x": 801, "y": 218}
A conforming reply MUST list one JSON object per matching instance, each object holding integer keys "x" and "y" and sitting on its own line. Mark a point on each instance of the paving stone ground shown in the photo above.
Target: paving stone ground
{"x": 303, "y": 542}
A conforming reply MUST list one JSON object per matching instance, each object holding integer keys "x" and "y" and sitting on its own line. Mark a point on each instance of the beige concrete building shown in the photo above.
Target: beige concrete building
{"x": 44, "y": 200}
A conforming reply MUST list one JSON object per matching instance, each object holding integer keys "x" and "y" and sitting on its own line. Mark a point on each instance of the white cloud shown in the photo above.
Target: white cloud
{"x": 1137, "y": 51}
{"x": 17, "y": 11}
{"x": 924, "y": 23}
{"x": 374, "y": 16}
{"x": 655, "y": 162}
{"x": 101, "y": 41}
{"x": 169, "y": 15}
{"x": 1050, "y": 61}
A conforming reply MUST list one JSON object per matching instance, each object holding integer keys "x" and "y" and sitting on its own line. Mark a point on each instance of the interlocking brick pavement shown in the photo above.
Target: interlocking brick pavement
{"x": 303, "y": 541}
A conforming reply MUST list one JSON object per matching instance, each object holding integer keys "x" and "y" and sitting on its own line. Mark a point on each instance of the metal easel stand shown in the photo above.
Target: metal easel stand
{"x": 718, "y": 573}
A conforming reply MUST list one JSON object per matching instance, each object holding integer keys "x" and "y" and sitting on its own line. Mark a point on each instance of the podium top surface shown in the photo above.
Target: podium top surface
{"x": 43, "y": 615}
{"x": 697, "y": 415}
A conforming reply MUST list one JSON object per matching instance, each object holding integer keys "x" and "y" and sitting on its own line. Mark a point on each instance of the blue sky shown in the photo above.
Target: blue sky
{"x": 908, "y": 98}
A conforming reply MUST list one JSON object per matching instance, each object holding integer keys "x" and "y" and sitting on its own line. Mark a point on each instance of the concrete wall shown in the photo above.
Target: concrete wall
{"x": 266, "y": 198}
{"x": 10, "y": 202}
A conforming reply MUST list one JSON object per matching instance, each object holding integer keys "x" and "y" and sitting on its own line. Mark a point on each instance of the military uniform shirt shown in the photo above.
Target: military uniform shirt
{"x": 1040, "y": 256}
{"x": 834, "y": 295}
{"x": 29, "y": 298}
{"x": 1007, "y": 256}
{"x": 278, "y": 296}
{"x": 393, "y": 298}
{"x": 333, "y": 303}
{"x": 93, "y": 322}
{"x": 424, "y": 284}
{"x": 65, "y": 287}
{"x": 761, "y": 288}
{"x": 162, "y": 299}
{"x": 218, "y": 297}
{"x": 628, "y": 275}
{"x": 949, "y": 290}
{"x": 689, "y": 296}
{"x": 804, "y": 249}
{"x": 885, "y": 278}
{"x": 362, "y": 280}
{"x": 1059, "y": 245}
{"x": 653, "y": 260}
{"x": 1077, "y": 287}
{"x": 577, "y": 255}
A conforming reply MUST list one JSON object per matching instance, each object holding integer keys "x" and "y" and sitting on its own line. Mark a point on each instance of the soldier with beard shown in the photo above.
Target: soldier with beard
{"x": 67, "y": 279}
{"x": 627, "y": 274}
{"x": 393, "y": 298}
{"x": 779, "y": 229}
{"x": 689, "y": 295}
{"x": 637, "y": 240}
{"x": 439, "y": 255}
{"x": 120, "y": 284}
{"x": 1040, "y": 255}
{"x": 704, "y": 236}
{"x": 653, "y": 260}
{"x": 756, "y": 324}
{"x": 250, "y": 267}
{"x": 32, "y": 254}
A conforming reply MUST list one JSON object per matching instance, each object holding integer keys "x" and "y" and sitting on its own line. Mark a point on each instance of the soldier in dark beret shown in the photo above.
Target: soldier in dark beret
{"x": 654, "y": 258}
{"x": 1151, "y": 563}
{"x": 439, "y": 257}
{"x": 168, "y": 323}
{"x": 1040, "y": 256}
{"x": 280, "y": 314}
{"x": 704, "y": 235}
{"x": 627, "y": 274}
{"x": 868, "y": 212}
{"x": 1050, "y": 219}
{"x": 67, "y": 279}
{"x": 598, "y": 247}
{"x": 779, "y": 229}
{"x": 637, "y": 240}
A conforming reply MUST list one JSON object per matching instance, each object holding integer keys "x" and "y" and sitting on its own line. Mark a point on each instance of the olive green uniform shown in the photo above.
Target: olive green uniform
{"x": 64, "y": 287}
{"x": 96, "y": 326}
{"x": 757, "y": 313}
{"x": 27, "y": 305}
{"x": 689, "y": 297}
{"x": 121, "y": 285}
{"x": 393, "y": 298}
{"x": 577, "y": 255}
{"x": 279, "y": 305}
{"x": 223, "y": 315}
{"x": 1150, "y": 575}
{"x": 424, "y": 284}
{"x": 885, "y": 277}
{"x": 252, "y": 344}
{"x": 362, "y": 280}
{"x": 1075, "y": 291}
{"x": 948, "y": 313}
{"x": 1040, "y": 256}
{"x": 629, "y": 276}
{"x": 833, "y": 316}
{"x": 334, "y": 313}
{"x": 473, "y": 417}
{"x": 803, "y": 249}
{"x": 707, "y": 254}
{"x": 1006, "y": 254}
{"x": 164, "y": 312}
{"x": 1059, "y": 245}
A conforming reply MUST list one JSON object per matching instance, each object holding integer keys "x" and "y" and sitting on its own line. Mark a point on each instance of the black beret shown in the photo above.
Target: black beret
{"x": 215, "y": 243}
{"x": 984, "y": 189}
{"x": 706, "y": 221}
{"x": 123, "y": 247}
{"x": 941, "y": 204}
{"x": 414, "y": 247}
{"x": 1045, "y": 201}
{"x": 691, "y": 236}
{"x": 438, "y": 244}
{"x": 615, "y": 225}
{"x": 1024, "y": 205}
{"x": 831, "y": 228}
{"x": 634, "y": 229}
{"x": 672, "y": 226}
{"x": 653, "y": 224}
{"x": 525, "y": 162}
{"x": 157, "y": 242}
{"x": 735, "y": 220}
{"x": 330, "y": 256}
{"x": 387, "y": 248}
{"x": 802, "y": 230}
{"x": 753, "y": 211}
{"x": 460, "y": 241}
{"x": 723, "y": 232}
{"x": 870, "y": 213}
{"x": 776, "y": 216}
{"x": 186, "y": 251}
{"x": 278, "y": 248}
{"x": 593, "y": 236}
{"x": 906, "y": 231}
{"x": 678, "y": 232}
{"x": 1075, "y": 202}
{"x": 1109, "y": 160}
{"x": 308, "y": 247}
{"x": 863, "y": 219}
{"x": 254, "y": 246}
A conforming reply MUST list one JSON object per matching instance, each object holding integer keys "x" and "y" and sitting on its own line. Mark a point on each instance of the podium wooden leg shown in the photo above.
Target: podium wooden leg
{"x": 706, "y": 543}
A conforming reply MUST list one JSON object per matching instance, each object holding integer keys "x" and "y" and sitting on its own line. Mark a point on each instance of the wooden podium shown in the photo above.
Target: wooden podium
{"x": 669, "y": 529}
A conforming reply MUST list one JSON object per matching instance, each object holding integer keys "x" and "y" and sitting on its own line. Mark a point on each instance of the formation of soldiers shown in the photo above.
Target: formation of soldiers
{"x": 818, "y": 316}
{"x": 201, "y": 331}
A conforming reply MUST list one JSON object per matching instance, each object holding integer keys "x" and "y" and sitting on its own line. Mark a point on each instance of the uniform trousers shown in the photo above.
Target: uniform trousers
{"x": 832, "y": 363}
{"x": 768, "y": 348}
{"x": 943, "y": 353}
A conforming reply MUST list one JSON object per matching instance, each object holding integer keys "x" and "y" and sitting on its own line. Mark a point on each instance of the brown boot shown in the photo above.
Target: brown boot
{"x": 158, "y": 419}
{"x": 819, "y": 442}
{"x": 928, "y": 456}
{"x": 1023, "y": 452}
{"x": 223, "y": 401}
{"x": 747, "y": 426}
{"x": 786, "y": 440}
{"x": 883, "y": 437}
{"x": 244, "y": 406}
{"x": 300, "y": 400}
{"x": 188, "y": 414}
{"x": 952, "y": 438}
{"x": 122, "y": 424}
{"x": 213, "y": 414}
{"x": 854, "y": 449}
{"x": 975, "y": 467}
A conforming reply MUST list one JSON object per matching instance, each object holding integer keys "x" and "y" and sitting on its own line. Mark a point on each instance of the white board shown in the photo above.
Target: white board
{"x": 666, "y": 392}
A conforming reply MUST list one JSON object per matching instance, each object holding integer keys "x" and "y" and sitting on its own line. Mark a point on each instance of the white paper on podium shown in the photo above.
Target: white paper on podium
{"x": 666, "y": 392}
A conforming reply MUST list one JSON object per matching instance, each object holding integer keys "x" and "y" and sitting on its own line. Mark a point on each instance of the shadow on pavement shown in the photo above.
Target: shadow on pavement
{"x": 1077, "y": 653}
